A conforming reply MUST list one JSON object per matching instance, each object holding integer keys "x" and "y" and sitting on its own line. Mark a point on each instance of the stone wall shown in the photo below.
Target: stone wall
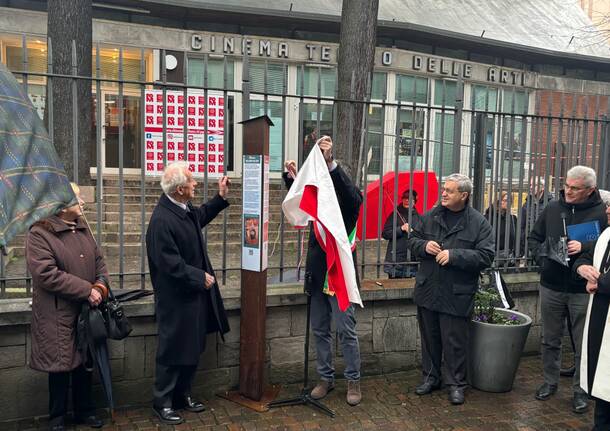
{"x": 387, "y": 329}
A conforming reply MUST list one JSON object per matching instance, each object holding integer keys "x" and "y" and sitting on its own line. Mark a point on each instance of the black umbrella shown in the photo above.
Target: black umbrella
{"x": 92, "y": 344}
{"x": 102, "y": 359}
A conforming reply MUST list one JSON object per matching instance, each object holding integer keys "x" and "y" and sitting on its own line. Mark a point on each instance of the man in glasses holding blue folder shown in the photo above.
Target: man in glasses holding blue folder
{"x": 567, "y": 226}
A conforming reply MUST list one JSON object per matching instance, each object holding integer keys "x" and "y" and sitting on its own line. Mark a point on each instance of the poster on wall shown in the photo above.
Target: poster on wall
{"x": 201, "y": 156}
{"x": 252, "y": 206}
{"x": 265, "y": 239}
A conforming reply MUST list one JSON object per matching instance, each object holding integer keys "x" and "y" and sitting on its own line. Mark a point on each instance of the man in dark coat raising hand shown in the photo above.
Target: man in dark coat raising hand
{"x": 188, "y": 304}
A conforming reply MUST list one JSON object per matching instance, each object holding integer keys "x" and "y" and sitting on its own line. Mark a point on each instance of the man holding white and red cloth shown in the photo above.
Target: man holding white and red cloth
{"x": 321, "y": 192}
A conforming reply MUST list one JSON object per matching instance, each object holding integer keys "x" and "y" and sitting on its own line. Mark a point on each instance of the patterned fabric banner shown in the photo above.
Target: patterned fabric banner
{"x": 33, "y": 183}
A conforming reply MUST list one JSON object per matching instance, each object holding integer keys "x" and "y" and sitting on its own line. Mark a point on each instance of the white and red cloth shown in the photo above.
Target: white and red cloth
{"x": 312, "y": 198}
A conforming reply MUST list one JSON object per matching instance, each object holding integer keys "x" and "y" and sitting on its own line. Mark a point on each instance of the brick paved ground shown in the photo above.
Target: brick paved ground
{"x": 388, "y": 404}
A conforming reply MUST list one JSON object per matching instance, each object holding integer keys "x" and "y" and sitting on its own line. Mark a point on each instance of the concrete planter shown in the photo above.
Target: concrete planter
{"x": 495, "y": 352}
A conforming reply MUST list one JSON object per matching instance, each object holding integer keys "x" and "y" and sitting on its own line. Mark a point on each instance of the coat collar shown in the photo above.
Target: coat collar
{"x": 58, "y": 225}
{"x": 165, "y": 202}
{"x": 438, "y": 217}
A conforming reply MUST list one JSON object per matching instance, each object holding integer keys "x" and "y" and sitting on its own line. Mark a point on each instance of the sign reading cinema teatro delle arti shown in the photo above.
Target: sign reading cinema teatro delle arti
{"x": 395, "y": 59}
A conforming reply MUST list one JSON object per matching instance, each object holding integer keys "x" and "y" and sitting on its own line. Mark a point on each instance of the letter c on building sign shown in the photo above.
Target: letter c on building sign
{"x": 196, "y": 42}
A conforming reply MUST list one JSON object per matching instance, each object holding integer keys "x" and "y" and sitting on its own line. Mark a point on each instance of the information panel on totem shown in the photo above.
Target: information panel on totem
{"x": 201, "y": 156}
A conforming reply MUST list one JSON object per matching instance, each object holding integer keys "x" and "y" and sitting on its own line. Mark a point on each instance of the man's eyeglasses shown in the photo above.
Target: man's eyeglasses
{"x": 574, "y": 189}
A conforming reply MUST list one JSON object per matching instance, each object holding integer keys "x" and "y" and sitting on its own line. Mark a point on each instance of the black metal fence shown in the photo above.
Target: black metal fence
{"x": 512, "y": 142}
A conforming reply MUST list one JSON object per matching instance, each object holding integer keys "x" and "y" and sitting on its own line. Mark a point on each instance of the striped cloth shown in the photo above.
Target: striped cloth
{"x": 33, "y": 183}
{"x": 312, "y": 198}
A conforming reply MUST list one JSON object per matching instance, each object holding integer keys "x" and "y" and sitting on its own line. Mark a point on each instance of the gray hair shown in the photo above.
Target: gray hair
{"x": 584, "y": 172}
{"x": 463, "y": 182}
{"x": 174, "y": 176}
{"x": 605, "y": 194}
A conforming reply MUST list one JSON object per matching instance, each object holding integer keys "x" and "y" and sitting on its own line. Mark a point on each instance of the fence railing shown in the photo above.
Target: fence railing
{"x": 511, "y": 142}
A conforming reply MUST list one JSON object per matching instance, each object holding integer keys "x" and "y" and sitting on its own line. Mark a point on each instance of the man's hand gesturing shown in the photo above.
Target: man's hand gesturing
{"x": 223, "y": 186}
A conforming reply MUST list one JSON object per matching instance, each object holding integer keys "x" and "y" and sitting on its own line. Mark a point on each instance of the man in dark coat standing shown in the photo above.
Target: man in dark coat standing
{"x": 187, "y": 298}
{"x": 453, "y": 242}
{"x": 562, "y": 292}
{"x": 324, "y": 306}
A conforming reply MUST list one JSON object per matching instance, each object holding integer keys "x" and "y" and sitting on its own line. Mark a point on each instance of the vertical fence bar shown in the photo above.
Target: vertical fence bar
{"x": 225, "y": 214}
{"x": 121, "y": 176}
{"x": 594, "y": 150}
{"x": 457, "y": 124}
{"x": 25, "y": 67}
{"x": 98, "y": 148}
{"x": 283, "y": 157}
{"x": 380, "y": 223}
{"x": 164, "y": 95}
{"x": 142, "y": 170}
{"x": 74, "y": 113}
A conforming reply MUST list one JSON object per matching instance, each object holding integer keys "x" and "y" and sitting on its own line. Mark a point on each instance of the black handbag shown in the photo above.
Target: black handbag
{"x": 117, "y": 324}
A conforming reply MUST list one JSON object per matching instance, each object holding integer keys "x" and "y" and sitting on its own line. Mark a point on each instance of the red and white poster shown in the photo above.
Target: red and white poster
{"x": 201, "y": 156}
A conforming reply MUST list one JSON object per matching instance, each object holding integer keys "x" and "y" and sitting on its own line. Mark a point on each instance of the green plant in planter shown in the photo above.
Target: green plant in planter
{"x": 485, "y": 311}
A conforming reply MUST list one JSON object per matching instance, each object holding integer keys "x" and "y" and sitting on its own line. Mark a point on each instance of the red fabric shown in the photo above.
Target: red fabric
{"x": 309, "y": 201}
{"x": 336, "y": 278}
{"x": 373, "y": 220}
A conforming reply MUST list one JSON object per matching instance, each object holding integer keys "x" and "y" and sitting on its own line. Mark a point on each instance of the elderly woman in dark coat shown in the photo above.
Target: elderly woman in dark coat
{"x": 67, "y": 270}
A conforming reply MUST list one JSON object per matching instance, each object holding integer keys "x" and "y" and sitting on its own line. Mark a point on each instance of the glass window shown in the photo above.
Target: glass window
{"x": 443, "y": 134}
{"x": 216, "y": 70}
{"x": 132, "y": 131}
{"x": 378, "y": 89}
{"x": 274, "y": 111}
{"x": 484, "y": 98}
{"x": 312, "y": 128}
{"x": 445, "y": 92}
{"x": 36, "y": 57}
{"x": 411, "y": 139}
{"x": 267, "y": 77}
{"x": 326, "y": 77}
{"x": 412, "y": 89}
{"x": 109, "y": 65}
{"x": 520, "y": 98}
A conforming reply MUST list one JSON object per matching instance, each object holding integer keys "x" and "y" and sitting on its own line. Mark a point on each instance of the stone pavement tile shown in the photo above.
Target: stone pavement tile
{"x": 388, "y": 404}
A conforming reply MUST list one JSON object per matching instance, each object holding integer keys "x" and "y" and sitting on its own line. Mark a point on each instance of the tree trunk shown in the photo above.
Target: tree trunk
{"x": 355, "y": 68}
{"x": 70, "y": 20}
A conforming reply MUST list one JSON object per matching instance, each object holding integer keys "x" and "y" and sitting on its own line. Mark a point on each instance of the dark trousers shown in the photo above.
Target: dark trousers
{"x": 443, "y": 335}
{"x": 172, "y": 383}
{"x": 602, "y": 416}
{"x": 59, "y": 384}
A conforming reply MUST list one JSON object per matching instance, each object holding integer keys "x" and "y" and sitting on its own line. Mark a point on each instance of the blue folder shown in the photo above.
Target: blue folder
{"x": 584, "y": 232}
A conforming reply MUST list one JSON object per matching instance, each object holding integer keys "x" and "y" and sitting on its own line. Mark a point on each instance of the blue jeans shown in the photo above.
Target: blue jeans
{"x": 323, "y": 308}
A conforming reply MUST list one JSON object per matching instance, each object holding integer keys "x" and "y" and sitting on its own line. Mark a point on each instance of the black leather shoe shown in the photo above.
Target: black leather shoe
{"x": 167, "y": 415}
{"x": 567, "y": 372}
{"x": 56, "y": 425}
{"x": 545, "y": 391}
{"x": 91, "y": 421}
{"x": 427, "y": 386}
{"x": 456, "y": 395}
{"x": 189, "y": 404}
{"x": 580, "y": 403}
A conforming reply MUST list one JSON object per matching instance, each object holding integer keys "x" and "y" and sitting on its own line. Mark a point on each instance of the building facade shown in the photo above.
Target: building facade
{"x": 423, "y": 81}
